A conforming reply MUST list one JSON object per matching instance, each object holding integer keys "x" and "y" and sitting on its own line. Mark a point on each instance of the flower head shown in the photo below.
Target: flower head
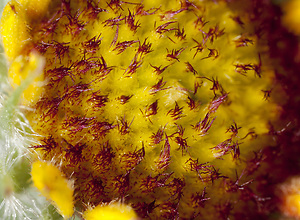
{"x": 159, "y": 104}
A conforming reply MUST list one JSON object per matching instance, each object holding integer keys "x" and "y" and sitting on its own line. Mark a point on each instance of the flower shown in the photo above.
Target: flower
{"x": 156, "y": 104}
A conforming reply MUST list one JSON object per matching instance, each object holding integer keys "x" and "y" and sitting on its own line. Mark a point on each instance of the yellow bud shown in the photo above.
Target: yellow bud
{"x": 24, "y": 67}
{"x": 53, "y": 185}
{"x": 110, "y": 212}
{"x": 14, "y": 31}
